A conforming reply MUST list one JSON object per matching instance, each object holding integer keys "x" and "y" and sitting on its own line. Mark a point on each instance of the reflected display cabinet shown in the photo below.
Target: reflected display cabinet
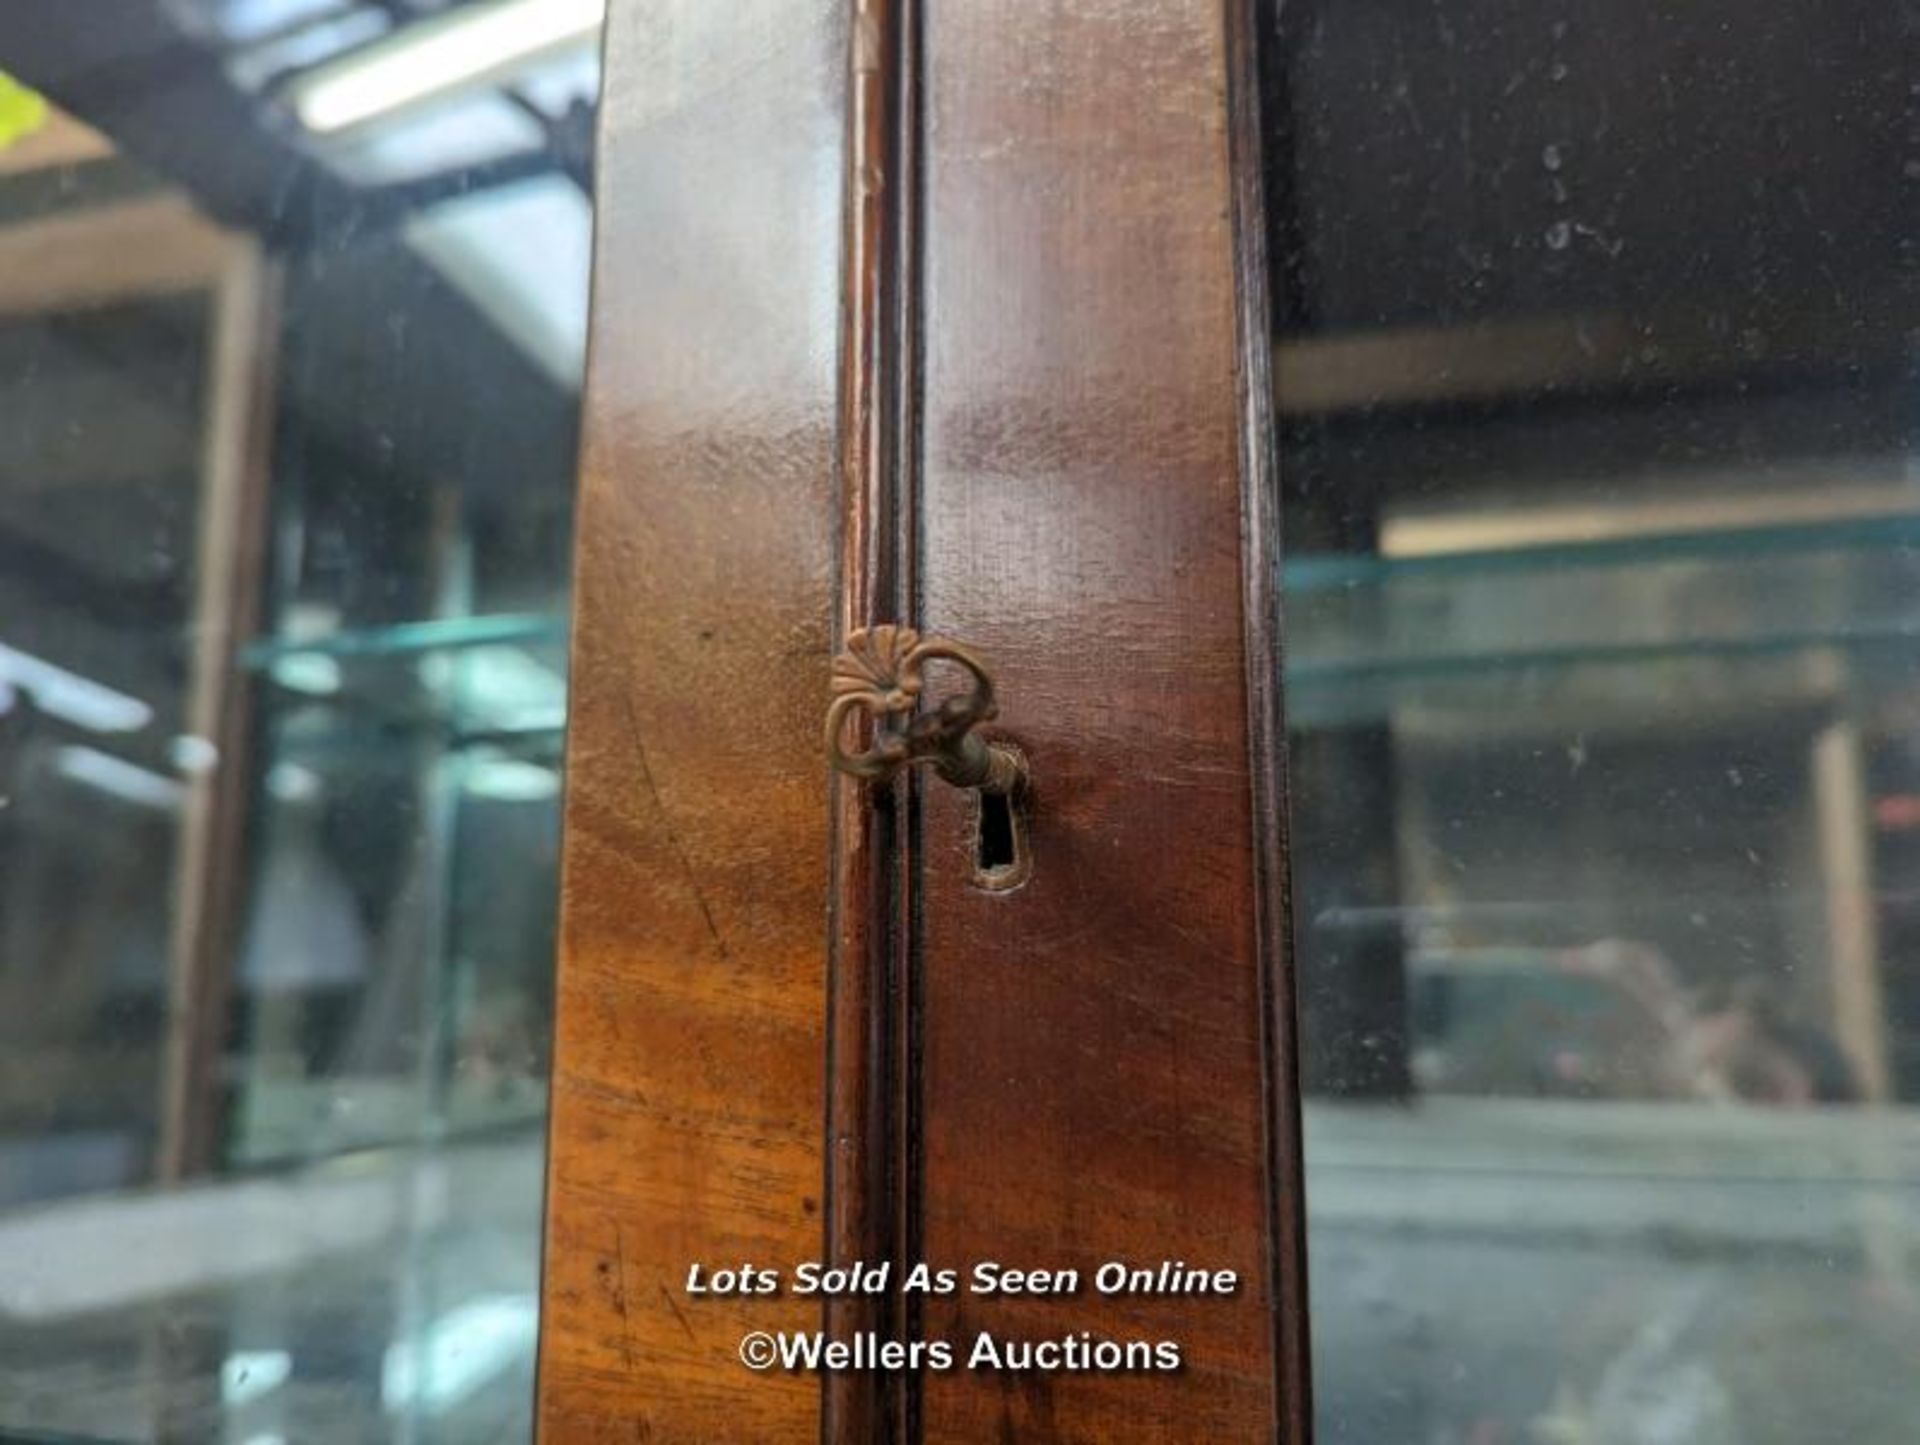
{"x": 286, "y": 507}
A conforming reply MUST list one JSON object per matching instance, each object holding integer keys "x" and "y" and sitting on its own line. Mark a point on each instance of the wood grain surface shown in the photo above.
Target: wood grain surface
{"x": 1095, "y": 1046}
{"x": 937, "y": 314}
{"x": 688, "y": 1099}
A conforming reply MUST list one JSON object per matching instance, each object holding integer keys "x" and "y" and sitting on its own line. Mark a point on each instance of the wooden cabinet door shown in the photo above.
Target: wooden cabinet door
{"x": 951, "y": 316}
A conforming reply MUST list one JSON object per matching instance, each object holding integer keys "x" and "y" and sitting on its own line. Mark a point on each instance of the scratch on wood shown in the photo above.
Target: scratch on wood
{"x": 673, "y": 835}
{"x": 617, "y": 1294}
{"x": 667, "y": 1295}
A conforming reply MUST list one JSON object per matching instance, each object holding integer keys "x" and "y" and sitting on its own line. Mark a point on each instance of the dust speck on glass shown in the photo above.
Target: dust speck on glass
{"x": 1598, "y": 419}
{"x": 292, "y": 317}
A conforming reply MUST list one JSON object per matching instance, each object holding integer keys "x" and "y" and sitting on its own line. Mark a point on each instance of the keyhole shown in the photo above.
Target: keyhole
{"x": 995, "y": 841}
{"x": 1000, "y": 859}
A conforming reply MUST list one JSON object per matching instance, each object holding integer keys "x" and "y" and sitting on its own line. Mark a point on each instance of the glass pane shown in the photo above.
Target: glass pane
{"x": 1602, "y": 581}
{"x": 291, "y": 339}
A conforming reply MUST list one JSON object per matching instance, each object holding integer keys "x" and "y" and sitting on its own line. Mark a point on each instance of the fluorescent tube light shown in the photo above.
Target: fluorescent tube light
{"x": 432, "y": 57}
{"x": 191, "y": 755}
{"x": 512, "y": 780}
{"x": 124, "y": 780}
{"x": 457, "y": 1353}
{"x": 313, "y": 673}
{"x": 246, "y": 1375}
{"x": 71, "y": 697}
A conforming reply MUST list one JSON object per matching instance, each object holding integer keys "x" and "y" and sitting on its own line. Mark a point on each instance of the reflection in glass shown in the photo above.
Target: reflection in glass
{"x": 1603, "y": 605}
{"x": 285, "y": 503}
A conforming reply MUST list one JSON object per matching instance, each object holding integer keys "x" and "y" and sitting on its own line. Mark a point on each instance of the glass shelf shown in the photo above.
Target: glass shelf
{"x": 1704, "y": 609}
{"x": 1620, "y": 629}
{"x": 405, "y": 639}
{"x": 1893, "y": 637}
{"x": 490, "y": 679}
{"x": 1308, "y": 573}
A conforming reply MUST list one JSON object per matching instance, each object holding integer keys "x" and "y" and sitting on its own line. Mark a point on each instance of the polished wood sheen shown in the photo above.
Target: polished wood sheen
{"x": 950, "y": 317}
{"x": 1097, "y": 1047}
{"x": 689, "y": 1088}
